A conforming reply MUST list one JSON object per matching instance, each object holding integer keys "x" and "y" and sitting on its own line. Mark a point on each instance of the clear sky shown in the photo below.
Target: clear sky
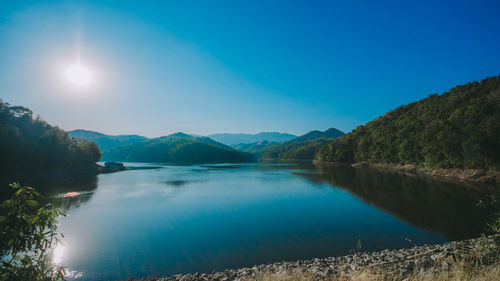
{"x": 203, "y": 67}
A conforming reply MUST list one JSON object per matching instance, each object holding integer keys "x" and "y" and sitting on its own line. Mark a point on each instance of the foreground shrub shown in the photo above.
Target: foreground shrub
{"x": 27, "y": 237}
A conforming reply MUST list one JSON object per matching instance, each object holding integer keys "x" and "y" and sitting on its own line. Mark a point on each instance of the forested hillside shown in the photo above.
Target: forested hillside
{"x": 299, "y": 148}
{"x": 458, "y": 129}
{"x": 252, "y": 147}
{"x": 28, "y": 143}
{"x": 176, "y": 148}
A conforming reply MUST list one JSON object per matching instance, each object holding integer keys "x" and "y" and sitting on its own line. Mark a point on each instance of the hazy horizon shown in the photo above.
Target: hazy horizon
{"x": 193, "y": 134}
{"x": 154, "y": 69}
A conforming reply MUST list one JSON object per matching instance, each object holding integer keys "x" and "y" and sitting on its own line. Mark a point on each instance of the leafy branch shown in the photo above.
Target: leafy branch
{"x": 28, "y": 236}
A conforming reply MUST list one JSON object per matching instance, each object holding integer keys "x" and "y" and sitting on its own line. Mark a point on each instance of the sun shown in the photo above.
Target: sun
{"x": 78, "y": 75}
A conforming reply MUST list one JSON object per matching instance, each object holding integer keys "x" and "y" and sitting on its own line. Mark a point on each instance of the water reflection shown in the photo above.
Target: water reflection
{"x": 181, "y": 219}
{"x": 54, "y": 187}
{"x": 58, "y": 253}
{"x": 446, "y": 208}
{"x": 68, "y": 203}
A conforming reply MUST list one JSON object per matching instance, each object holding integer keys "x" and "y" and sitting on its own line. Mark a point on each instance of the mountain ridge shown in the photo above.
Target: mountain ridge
{"x": 238, "y": 138}
{"x": 104, "y": 141}
{"x": 300, "y": 148}
{"x": 174, "y": 148}
{"x": 252, "y": 147}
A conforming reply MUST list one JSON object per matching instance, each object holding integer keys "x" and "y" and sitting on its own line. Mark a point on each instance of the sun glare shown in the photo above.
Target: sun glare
{"x": 57, "y": 255}
{"x": 78, "y": 75}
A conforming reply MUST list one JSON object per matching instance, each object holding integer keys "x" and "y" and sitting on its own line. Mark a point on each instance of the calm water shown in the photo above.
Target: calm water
{"x": 179, "y": 219}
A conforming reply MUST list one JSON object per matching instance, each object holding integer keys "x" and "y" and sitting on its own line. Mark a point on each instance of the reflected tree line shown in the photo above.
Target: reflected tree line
{"x": 54, "y": 188}
{"x": 446, "y": 208}
{"x": 442, "y": 207}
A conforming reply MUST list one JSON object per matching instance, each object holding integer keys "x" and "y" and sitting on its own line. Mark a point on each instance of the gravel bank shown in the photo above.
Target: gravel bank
{"x": 489, "y": 178}
{"x": 401, "y": 262}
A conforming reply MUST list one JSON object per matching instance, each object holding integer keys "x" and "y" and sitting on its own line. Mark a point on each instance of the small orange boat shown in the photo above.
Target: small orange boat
{"x": 71, "y": 194}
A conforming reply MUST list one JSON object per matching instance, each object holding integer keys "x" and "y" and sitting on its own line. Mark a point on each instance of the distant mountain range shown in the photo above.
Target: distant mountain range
{"x": 232, "y": 139}
{"x": 174, "y": 148}
{"x": 184, "y": 148}
{"x": 299, "y": 148}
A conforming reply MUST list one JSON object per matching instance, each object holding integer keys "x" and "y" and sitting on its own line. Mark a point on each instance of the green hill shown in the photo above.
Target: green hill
{"x": 331, "y": 133}
{"x": 106, "y": 142}
{"x": 458, "y": 129}
{"x": 32, "y": 144}
{"x": 176, "y": 148}
{"x": 299, "y": 148}
{"x": 252, "y": 147}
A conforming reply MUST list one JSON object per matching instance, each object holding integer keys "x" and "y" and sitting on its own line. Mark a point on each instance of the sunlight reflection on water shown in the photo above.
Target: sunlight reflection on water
{"x": 57, "y": 258}
{"x": 57, "y": 255}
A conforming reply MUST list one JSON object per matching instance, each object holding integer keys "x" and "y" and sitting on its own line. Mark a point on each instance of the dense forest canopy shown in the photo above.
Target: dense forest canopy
{"x": 458, "y": 129}
{"x": 299, "y": 148}
{"x": 31, "y": 143}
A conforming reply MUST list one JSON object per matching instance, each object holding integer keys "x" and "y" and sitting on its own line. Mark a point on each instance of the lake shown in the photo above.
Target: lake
{"x": 180, "y": 219}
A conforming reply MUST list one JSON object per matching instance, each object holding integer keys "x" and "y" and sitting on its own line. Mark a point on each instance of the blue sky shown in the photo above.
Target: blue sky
{"x": 203, "y": 67}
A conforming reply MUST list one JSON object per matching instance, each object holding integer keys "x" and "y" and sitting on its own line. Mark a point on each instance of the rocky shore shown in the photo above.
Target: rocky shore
{"x": 473, "y": 176}
{"x": 400, "y": 262}
{"x": 479, "y": 176}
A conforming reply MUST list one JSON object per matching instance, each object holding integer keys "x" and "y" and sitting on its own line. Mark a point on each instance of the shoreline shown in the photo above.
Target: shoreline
{"x": 400, "y": 262}
{"x": 484, "y": 177}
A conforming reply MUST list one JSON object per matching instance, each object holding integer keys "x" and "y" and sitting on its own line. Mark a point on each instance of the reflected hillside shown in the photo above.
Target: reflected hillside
{"x": 86, "y": 186}
{"x": 55, "y": 187}
{"x": 449, "y": 209}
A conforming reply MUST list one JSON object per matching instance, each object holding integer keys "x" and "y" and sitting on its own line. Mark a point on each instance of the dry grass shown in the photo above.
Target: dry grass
{"x": 479, "y": 264}
{"x": 458, "y": 272}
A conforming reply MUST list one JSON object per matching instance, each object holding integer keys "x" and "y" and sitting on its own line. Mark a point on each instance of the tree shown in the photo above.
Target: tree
{"x": 28, "y": 236}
